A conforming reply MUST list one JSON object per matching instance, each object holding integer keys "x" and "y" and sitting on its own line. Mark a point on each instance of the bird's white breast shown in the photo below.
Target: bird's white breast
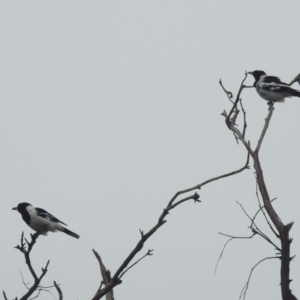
{"x": 37, "y": 223}
{"x": 269, "y": 91}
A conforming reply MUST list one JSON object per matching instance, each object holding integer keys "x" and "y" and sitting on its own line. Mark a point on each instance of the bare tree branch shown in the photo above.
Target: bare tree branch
{"x": 244, "y": 117}
{"x": 245, "y": 288}
{"x": 232, "y": 121}
{"x": 237, "y": 99}
{"x": 228, "y": 93}
{"x": 262, "y": 209}
{"x": 174, "y": 202}
{"x": 296, "y": 79}
{"x": 198, "y": 186}
{"x": 60, "y": 294}
{"x": 149, "y": 253}
{"x": 281, "y": 228}
{"x": 23, "y": 281}
{"x": 106, "y": 277}
{"x": 231, "y": 238}
{"x": 260, "y": 178}
{"x": 255, "y": 228}
{"x": 267, "y": 121}
{"x": 4, "y": 295}
{"x": 22, "y": 247}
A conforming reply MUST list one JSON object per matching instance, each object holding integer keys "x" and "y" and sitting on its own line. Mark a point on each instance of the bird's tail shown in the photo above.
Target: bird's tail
{"x": 71, "y": 233}
{"x": 296, "y": 93}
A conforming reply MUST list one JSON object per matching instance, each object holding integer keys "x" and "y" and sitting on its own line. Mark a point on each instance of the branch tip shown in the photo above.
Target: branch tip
{"x": 196, "y": 197}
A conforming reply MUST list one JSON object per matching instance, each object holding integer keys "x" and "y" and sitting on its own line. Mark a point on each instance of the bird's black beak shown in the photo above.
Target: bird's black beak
{"x": 250, "y": 73}
{"x": 15, "y": 208}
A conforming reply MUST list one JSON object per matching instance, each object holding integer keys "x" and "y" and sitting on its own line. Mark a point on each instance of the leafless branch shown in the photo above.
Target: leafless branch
{"x": 245, "y": 288}
{"x": 255, "y": 228}
{"x": 26, "y": 248}
{"x": 241, "y": 206}
{"x": 244, "y": 117}
{"x": 25, "y": 284}
{"x": 260, "y": 179}
{"x": 4, "y": 295}
{"x": 237, "y": 99}
{"x": 149, "y": 253}
{"x": 198, "y": 186}
{"x": 281, "y": 228}
{"x": 234, "y": 110}
{"x": 60, "y": 294}
{"x": 267, "y": 121}
{"x": 231, "y": 238}
{"x": 296, "y": 79}
{"x": 38, "y": 290}
{"x": 228, "y": 93}
{"x": 262, "y": 209}
{"x": 106, "y": 277}
{"x": 174, "y": 202}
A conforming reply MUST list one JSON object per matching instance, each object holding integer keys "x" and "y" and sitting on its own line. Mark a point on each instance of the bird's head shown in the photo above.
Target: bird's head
{"x": 257, "y": 74}
{"x": 21, "y": 207}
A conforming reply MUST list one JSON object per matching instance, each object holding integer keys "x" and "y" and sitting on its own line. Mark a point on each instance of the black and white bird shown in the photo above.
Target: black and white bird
{"x": 41, "y": 221}
{"x": 271, "y": 88}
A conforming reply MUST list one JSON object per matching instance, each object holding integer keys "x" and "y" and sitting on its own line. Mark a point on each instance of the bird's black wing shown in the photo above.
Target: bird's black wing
{"x": 281, "y": 87}
{"x": 273, "y": 79}
{"x": 44, "y": 214}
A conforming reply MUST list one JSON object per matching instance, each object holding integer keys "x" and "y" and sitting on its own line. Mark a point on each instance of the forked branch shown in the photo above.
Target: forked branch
{"x": 59, "y": 291}
{"x": 245, "y": 288}
{"x": 281, "y": 228}
{"x": 25, "y": 247}
{"x": 173, "y": 203}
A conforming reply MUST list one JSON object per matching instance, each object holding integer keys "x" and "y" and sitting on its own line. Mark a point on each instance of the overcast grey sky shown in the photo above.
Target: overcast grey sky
{"x": 110, "y": 107}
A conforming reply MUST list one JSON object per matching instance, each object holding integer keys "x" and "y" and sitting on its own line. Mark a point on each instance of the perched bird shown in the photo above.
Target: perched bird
{"x": 271, "y": 88}
{"x": 41, "y": 221}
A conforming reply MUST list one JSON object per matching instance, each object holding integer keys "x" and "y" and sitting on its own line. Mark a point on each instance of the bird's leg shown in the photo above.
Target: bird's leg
{"x": 271, "y": 104}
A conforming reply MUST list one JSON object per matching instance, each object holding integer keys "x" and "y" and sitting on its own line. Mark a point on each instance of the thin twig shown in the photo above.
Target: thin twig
{"x": 232, "y": 122}
{"x": 245, "y": 288}
{"x": 149, "y": 253}
{"x": 239, "y": 134}
{"x": 228, "y": 93}
{"x": 231, "y": 238}
{"x": 244, "y": 117}
{"x": 296, "y": 79}
{"x": 237, "y": 98}
{"x": 25, "y": 284}
{"x": 257, "y": 230}
{"x": 198, "y": 186}
{"x": 241, "y": 206}
{"x": 194, "y": 197}
{"x": 261, "y": 208}
{"x": 267, "y": 121}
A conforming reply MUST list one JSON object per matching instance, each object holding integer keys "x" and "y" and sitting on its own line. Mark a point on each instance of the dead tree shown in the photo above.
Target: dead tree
{"x": 110, "y": 281}
{"x": 280, "y": 230}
